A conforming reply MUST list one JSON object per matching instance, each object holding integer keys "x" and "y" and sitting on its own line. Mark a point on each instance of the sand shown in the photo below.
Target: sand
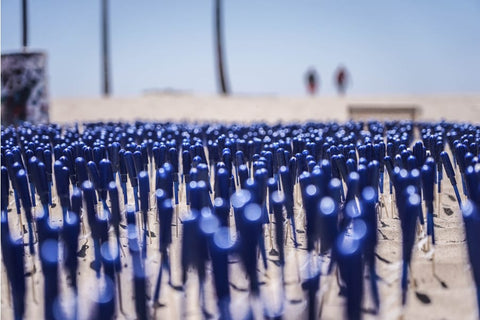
{"x": 252, "y": 108}
{"x": 447, "y": 293}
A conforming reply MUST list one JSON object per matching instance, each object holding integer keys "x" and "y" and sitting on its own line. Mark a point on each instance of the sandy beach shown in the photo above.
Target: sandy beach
{"x": 254, "y": 108}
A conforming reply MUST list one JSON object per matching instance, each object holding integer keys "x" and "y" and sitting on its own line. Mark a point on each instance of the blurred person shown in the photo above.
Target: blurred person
{"x": 341, "y": 79}
{"x": 311, "y": 79}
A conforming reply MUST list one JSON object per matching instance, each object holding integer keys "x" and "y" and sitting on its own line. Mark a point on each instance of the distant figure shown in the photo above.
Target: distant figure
{"x": 341, "y": 80}
{"x": 311, "y": 79}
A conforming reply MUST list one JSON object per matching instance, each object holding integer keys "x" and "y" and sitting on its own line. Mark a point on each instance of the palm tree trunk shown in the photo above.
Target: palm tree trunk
{"x": 24, "y": 25}
{"x": 105, "y": 55}
{"x": 218, "y": 32}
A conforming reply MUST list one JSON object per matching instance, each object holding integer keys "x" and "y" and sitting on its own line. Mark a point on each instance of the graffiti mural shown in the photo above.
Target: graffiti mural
{"x": 24, "y": 88}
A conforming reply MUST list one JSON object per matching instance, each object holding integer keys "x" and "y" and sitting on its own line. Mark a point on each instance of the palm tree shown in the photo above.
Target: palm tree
{"x": 24, "y": 25}
{"x": 105, "y": 55}
{"x": 220, "y": 59}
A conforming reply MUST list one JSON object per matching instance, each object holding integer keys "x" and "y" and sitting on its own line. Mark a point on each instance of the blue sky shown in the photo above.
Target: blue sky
{"x": 389, "y": 47}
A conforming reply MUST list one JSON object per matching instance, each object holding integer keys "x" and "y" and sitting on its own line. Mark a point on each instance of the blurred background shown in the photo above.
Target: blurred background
{"x": 388, "y": 47}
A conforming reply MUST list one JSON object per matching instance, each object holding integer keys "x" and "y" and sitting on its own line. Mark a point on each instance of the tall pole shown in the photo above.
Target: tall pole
{"x": 105, "y": 60}
{"x": 24, "y": 25}
{"x": 218, "y": 33}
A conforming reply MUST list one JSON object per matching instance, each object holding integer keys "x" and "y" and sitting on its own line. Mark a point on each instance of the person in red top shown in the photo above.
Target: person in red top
{"x": 311, "y": 79}
{"x": 341, "y": 80}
